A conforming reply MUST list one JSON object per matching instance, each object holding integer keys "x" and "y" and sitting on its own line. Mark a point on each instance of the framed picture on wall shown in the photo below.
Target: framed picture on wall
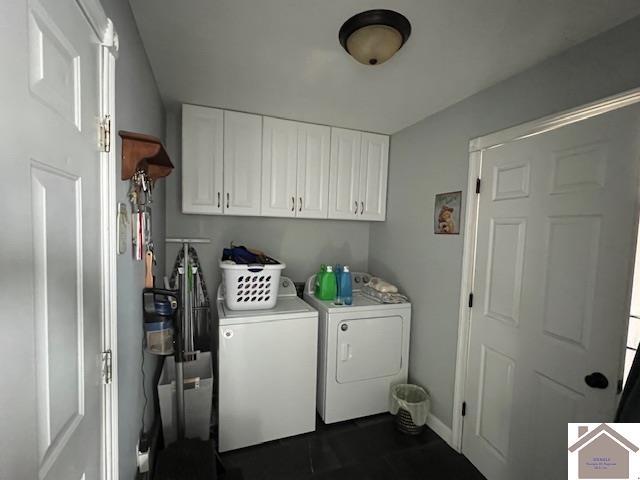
{"x": 446, "y": 215}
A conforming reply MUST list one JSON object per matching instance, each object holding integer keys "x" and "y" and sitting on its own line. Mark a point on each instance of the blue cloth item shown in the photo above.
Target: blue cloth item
{"x": 243, "y": 256}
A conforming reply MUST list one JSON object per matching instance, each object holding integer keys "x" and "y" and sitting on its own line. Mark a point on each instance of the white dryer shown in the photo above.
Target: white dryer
{"x": 267, "y": 370}
{"x": 363, "y": 349}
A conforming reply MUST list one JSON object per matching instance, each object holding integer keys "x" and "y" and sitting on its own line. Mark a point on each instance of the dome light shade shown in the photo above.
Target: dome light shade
{"x": 374, "y": 36}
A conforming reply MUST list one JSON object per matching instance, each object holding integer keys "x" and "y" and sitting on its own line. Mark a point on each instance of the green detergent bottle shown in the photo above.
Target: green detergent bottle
{"x": 327, "y": 285}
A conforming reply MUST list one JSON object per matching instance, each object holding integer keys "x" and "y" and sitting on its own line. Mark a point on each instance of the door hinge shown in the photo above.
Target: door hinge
{"x": 464, "y": 408}
{"x": 620, "y": 384}
{"x": 477, "y": 185}
{"x": 471, "y": 300}
{"x": 107, "y": 367}
{"x": 104, "y": 140}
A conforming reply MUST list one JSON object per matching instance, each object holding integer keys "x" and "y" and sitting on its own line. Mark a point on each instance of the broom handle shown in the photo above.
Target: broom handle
{"x": 180, "y": 345}
{"x": 148, "y": 269}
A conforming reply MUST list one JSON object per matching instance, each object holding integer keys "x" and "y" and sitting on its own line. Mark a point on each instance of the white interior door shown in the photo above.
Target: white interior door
{"x": 242, "y": 163}
{"x": 313, "y": 170}
{"x": 51, "y": 412}
{"x": 555, "y": 242}
{"x": 202, "y": 136}
{"x": 374, "y": 164}
{"x": 344, "y": 174}
{"x": 279, "y": 166}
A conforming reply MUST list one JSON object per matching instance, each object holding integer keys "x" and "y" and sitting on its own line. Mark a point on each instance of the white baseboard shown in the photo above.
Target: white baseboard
{"x": 435, "y": 424}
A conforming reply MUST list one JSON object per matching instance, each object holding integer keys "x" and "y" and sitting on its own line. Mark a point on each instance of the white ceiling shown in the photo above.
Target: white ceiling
{"x": 283, "y": 58}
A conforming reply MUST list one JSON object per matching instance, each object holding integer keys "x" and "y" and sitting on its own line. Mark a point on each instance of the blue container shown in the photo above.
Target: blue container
{"x": 338, "y": 272}
{"x": 158, "y": 337}
{"x": 163, "y": 308}
{"x": 345, "y": 289}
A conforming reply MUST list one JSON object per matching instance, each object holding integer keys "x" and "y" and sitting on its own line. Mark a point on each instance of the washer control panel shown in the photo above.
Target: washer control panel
{"x": 287, "y": 287}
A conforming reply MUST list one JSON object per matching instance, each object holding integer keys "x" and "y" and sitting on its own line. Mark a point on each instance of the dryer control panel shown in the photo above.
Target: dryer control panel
{"x": 358, "y": 280}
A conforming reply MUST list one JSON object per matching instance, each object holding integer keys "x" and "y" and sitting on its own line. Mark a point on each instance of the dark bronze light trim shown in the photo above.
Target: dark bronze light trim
{"x": 375, "y": 17}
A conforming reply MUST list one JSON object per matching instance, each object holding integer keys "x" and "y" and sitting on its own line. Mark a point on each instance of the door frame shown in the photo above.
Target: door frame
{"x": 476, "y": 148}
{"x": 108, "y": 229}
{"x": 104, "y": 29}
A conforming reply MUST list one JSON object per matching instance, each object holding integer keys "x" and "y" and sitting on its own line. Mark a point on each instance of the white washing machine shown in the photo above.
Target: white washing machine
{"x": 363, "y": 349}
{"x": 267, "y": 370}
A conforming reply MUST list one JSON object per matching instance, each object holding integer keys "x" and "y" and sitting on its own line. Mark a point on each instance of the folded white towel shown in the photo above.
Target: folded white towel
{"x": 382, "y": 286}
{"x": 383, "y": 297}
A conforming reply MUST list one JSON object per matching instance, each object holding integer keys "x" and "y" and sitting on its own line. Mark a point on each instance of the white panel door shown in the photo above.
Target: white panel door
{"x": 556, "y": 237}
{"x": 242, "y": 163}
{"x": 52, "y": 293}
{"x": 314, "y": 143}
{"x": 369, "y": 348}
{"x": 344, "y": 174}
{"x": 635, "y": 295}
{"x": 202, "y": 135}
{"x": 373, "y": 177}
{"x": 279, "y": 166}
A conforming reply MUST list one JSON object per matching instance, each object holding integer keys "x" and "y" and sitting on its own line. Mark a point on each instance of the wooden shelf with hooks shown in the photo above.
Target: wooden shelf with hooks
{"x": 143, "y": 152}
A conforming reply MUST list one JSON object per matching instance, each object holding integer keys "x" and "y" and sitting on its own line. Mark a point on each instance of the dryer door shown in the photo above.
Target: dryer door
{"x": 369, "y": 348}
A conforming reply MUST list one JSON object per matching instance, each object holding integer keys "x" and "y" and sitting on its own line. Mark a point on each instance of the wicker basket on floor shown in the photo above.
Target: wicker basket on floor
{"x": 406, "y": 425}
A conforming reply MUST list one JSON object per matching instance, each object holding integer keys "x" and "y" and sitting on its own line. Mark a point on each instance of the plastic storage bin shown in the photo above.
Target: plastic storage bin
{"x": 198, "y": 391}
{"x": 410, "y": 404}
{"x": 250, "y": 287}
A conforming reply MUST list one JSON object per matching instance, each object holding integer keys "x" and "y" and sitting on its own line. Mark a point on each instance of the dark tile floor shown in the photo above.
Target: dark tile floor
{"x": 363, "y": 449}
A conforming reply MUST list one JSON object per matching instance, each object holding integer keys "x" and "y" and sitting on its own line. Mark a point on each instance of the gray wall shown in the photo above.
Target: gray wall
{"x": 301, "y": 244}
{"x": 138, "y": 109}
{"x": 432, "y": 157}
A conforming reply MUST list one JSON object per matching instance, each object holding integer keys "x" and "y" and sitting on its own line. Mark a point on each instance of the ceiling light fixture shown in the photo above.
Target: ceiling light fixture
{"x": 374, "y": 36}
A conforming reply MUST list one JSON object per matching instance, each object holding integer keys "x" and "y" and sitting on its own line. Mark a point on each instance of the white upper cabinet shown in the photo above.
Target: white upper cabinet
{"x": 202, "y": 132}
{"x": 358, "y": 182}
{"x": 374, "y": 164}
{"x": 344, "y": 183}
{"x": 314, "y": 143}
{"x": 279, "y": 165}
{"x": 295, "y": 169}
{"x": 242, "y": 163}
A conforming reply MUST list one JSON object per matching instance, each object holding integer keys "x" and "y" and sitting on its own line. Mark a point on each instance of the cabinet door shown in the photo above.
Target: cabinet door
{"x": 373, "y": 177}
{"x": 202, "y": 134}
{"x": 279, "y": 165}
{"x": 314, "y": 143}
{"x": 344, "y": 174}
{"x": 242, "y": 163}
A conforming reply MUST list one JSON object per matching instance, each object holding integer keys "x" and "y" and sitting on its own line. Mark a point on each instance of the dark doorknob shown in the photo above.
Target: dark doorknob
{"x": 596, "y": 380}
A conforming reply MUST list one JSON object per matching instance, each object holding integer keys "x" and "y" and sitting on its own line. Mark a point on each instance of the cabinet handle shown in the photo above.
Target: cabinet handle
{"x": 356, "y": 210}
{"x": 300, "y": 207}
{"x": 227, "y": 199}
{"x": 293, "y": 203}
{"x": 218, "y": 199}
{"x": 361, "y": 207}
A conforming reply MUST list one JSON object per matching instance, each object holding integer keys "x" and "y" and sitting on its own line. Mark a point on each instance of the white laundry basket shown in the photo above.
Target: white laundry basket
{"x": 250, "y": 287}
